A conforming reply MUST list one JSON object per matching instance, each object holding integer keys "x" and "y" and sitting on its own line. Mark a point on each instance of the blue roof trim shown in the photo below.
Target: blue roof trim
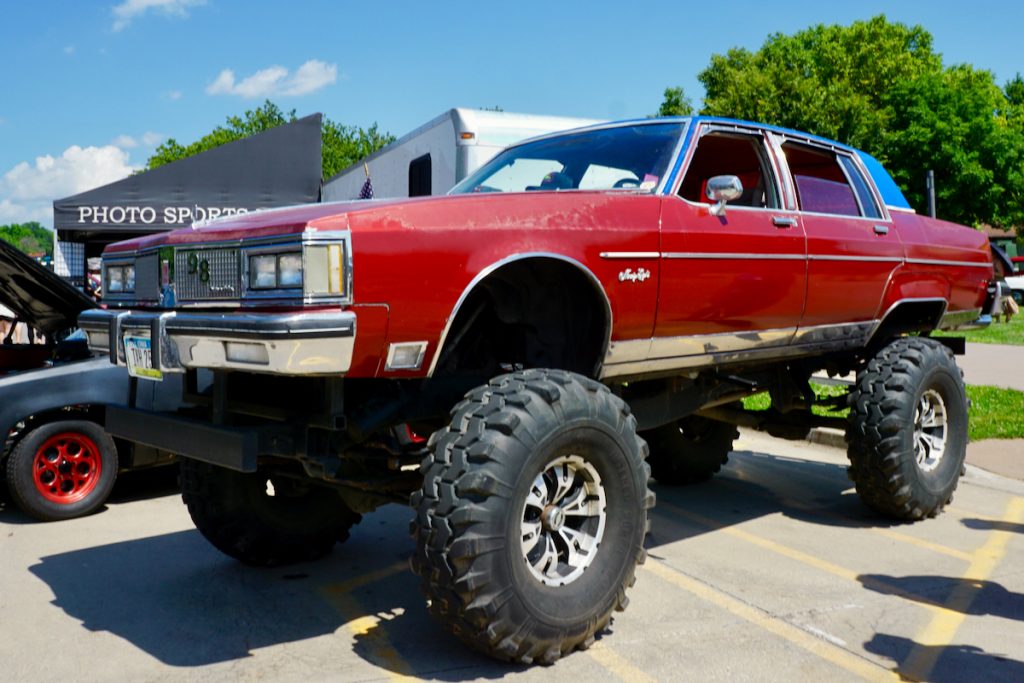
{"x": 891, "y": 193}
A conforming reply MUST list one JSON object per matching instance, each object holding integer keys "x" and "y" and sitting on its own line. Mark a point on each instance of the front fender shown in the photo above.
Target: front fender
{"x": 91, "y": 382}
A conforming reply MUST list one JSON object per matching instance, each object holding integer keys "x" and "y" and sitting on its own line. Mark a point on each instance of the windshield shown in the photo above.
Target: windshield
{"x": 626, "y": 157}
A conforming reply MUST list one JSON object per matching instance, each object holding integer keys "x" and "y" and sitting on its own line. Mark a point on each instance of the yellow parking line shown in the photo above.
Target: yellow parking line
{"x": 369, "y": 626}
{"x": 618, "y": 665}
{"x": 365, "y": 579}
{"x": 831, "y": 653}
{"x": 802, "y": 557}
{"x": 943, "y": 627}
{"x": 895, "y": 535}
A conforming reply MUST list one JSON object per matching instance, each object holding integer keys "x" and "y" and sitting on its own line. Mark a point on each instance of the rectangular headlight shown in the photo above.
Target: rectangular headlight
{"x": 289, "y": 270}
{"x": 115, "y": 279}
{"x": 263, "y": 271}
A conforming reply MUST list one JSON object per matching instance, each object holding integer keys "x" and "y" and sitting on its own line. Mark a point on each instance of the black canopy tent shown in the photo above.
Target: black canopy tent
{"x": 278, "y": 167}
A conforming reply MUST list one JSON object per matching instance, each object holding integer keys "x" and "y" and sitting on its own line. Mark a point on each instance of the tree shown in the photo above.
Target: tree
{"x": 31, "y": 238}
{"x": 879, "y": 86}
{"x": 342, "y": 145}
{"x": 676, "y": 103}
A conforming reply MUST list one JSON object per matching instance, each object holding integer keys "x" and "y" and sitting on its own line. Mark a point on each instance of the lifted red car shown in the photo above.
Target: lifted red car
{"x": 583, "y": 300}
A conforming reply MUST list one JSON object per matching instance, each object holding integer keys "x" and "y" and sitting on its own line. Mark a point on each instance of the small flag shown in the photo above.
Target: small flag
{"x": 367, "y": 191}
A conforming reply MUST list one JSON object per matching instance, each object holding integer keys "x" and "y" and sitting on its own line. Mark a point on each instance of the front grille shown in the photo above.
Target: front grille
{"x": 207, "y": 274}
{"x": 147, "y": 278}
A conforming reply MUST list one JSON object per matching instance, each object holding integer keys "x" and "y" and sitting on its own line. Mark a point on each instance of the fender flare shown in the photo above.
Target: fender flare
{"x": 523, "y": 256}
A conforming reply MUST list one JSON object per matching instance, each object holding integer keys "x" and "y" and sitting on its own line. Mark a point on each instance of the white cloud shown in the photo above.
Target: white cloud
{"x": 27, "y": 191}
{"x": 130, "y": 9}
{"x": 69, "y": 49}
{"x": 173, "y": 94}
{"x": 124, "y": 142}
{"x": 276, "y": 80}
{"x": 151, "y": 139}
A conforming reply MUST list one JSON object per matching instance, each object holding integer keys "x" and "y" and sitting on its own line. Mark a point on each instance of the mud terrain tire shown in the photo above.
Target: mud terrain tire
{"x": 907, "y": 429}
{"x": 236, "y": 512}
{"x": 689, "y": 450}
{"x": 532, "y": 459}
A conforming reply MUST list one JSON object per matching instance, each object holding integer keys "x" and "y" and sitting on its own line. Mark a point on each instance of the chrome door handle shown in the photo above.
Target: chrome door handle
{"x": 881, "y": 229}
{"x": 783, "y": 221}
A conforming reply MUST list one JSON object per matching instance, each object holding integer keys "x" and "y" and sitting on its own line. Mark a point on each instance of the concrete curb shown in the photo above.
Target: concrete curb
{"x": 826, "y": 436}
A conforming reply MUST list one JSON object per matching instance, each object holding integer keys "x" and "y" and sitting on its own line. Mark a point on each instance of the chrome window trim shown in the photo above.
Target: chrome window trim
{"x": 480, "y": 276}
{"x": 766, "y": 156}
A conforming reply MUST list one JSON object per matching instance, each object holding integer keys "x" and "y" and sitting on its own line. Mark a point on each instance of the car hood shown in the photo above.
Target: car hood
{"x": 38, "y": 296}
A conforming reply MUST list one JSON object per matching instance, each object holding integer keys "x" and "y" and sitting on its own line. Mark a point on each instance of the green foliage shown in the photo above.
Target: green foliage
{"x": 345, "y": 145}
{"x": 31, "y": 238}
{"x": 1001, "y": 332}
{"x": 995, "y": 413}
{"x": 342, "y": 145}
{"x": 879, "y": 86}
{"x": 676, "y": 103}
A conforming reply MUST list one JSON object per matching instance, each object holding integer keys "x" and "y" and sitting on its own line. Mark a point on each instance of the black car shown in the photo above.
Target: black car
{"x": 55, "y": 455}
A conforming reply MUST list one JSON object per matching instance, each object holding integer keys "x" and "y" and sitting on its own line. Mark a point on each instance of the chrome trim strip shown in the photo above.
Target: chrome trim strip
{"x": 629, "y": 254}
{"x": 864, "y": 259}
{"x": 955, "y": 319}
{"x": 721, "y": 255}
{"x": 675, "y": 347}
{"x": 665, "y": 354}
{"x": 503, "y": 262}
{"x": 941, "y": 262}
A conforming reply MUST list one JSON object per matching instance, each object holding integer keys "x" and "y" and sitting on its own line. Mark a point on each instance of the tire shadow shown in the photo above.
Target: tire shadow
{"x": 952, "y": 663}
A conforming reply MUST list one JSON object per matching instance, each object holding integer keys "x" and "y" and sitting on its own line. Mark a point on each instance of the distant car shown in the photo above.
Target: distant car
{"x": 57, "y": 458}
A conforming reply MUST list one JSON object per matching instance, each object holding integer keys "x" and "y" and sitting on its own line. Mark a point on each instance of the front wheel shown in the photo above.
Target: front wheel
{"x": 62, "y": 470}
{"x": 907, "y": 429}
{"x": 262, "y": 519}
{"x": 532, "y": 516}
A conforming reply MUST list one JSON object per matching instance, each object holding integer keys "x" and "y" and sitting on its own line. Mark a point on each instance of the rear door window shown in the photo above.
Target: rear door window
{"x": 822, "y": 183}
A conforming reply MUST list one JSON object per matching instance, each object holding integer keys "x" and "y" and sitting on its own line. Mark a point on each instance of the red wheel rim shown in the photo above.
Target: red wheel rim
{"x": 67, "y": 468}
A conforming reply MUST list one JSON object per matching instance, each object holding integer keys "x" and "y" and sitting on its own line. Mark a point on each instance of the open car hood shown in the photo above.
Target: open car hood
{"x": 38, "y": 296}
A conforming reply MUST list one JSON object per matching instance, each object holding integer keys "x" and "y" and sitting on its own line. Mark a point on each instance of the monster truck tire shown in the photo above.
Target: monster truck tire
{"x": 62, "y": 470}
{"x": 689, "y": 450}
{"x": 907, "y": 429}
{"x": 238, "y": 515}
{"x": 532, "y": 461}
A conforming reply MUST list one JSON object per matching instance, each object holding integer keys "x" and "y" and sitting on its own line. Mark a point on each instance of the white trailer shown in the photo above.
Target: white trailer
{"x": 441, "y": 152}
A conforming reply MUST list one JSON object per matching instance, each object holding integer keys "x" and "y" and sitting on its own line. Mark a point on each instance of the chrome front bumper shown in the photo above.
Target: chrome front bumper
{"x": 276, "y": 343}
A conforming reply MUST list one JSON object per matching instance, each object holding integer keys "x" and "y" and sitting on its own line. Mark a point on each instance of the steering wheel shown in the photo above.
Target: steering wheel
{"x": 626, "y": 182}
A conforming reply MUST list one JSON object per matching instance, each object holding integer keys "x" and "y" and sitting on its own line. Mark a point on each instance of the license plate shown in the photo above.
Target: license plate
{"x": 138, "y": 352}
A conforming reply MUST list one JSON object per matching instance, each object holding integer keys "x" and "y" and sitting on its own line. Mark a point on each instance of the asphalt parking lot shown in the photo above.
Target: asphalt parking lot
{"x": 772, "y": 571}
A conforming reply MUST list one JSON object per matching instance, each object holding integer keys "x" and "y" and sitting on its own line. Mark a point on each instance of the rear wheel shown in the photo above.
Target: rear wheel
{"x": 62, "y": 470}
{"x": 262, "y": 519}
{"x": 907, "y": 429}
{"x": 689, "y": 450}
{"x": 532, "y": 515}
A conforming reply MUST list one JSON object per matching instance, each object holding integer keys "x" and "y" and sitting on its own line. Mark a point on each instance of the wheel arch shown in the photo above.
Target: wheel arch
{"x": 497, "y": 268}
{"x": 910, "y": 315}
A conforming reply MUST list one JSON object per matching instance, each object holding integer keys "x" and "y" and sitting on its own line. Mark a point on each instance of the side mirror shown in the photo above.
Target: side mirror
{"x": 721, "y": 189}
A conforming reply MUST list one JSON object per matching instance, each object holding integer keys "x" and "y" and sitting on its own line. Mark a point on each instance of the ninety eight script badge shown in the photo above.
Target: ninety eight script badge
{"x": 638, "y": 275}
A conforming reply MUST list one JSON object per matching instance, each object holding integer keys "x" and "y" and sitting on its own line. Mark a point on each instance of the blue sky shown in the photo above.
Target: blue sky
{"x": 88, "y": 89}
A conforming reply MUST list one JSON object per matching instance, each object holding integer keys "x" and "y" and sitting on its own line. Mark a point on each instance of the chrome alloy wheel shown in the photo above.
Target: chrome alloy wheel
{"x": 930, "y": 430}
{"x": 563, "y": 520}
